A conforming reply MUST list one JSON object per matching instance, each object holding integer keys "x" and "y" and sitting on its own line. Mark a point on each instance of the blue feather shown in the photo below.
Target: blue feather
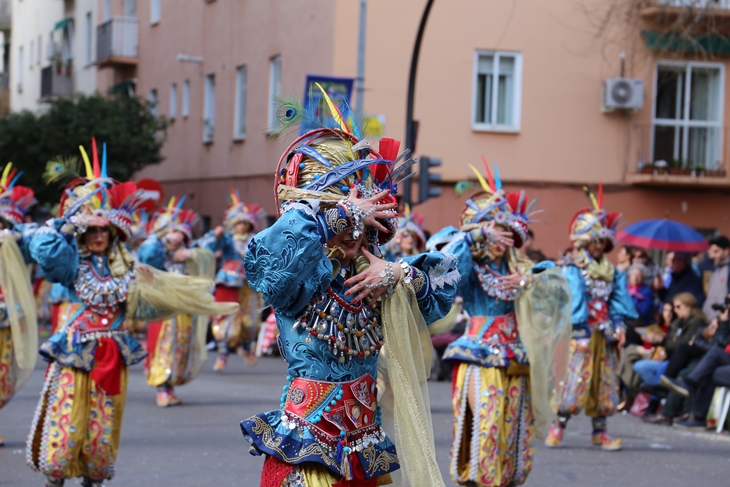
{"x": 497, "y": 179}
{"x": 312, "y": 154}
{"x": 103, "y": 161}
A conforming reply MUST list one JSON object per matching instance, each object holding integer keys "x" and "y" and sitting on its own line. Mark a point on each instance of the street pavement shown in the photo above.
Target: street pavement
{"x": 199, "y": 443}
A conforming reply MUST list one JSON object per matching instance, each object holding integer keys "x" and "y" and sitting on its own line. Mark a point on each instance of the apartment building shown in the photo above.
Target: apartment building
{"x": 51, "y": 51}
{"x": 560, "y": 94}
{"x": 5, "y": 27}
{"x": 521, "y": 83}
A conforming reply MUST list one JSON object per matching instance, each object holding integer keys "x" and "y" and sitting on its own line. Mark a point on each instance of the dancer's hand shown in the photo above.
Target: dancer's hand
{"x": 513, "y": 281}
{"x": 498, "y": 235}
{"x": 369, "y": 281}
{"x": 218, "y": 232}
{"x": 621, "y": 337}
{"x": 181, "y": 255}
{"x": 372, "y": 209}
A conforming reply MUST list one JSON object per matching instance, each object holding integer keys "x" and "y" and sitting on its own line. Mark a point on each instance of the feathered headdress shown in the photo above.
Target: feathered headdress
{"x": 594, "y": 223}
{"x": 174, "y": 218}
{"x": 324, "y": 164}
{"x": 95, "y": 193}
{"x": 238, "y": 211}
{"x": 15, "y": 200}
{"x": 413, "y": 222}
{"x": 510, "y": 210}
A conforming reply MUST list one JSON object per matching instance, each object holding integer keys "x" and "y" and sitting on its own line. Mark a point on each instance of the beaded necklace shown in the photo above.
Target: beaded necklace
{"x": 101, "y": 294}
{"x": 490, "y": 280}
{"x": 350, "y": 331}
{"x": 597, "y": 288}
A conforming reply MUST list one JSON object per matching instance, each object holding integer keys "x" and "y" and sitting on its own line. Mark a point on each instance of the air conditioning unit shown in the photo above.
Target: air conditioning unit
{"x": 622, "y": 94}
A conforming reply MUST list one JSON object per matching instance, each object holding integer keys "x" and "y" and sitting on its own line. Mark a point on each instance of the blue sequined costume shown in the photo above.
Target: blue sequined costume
{"x": 286, "y": 263}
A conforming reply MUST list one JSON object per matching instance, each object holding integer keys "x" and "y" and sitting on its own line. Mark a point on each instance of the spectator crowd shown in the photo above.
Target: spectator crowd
{"x": 677, "y": 354}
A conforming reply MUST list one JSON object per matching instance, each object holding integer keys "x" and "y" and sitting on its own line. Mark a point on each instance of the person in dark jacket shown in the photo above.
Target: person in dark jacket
{"x": 715, "y": 334}
{"x": 683, "y": 280}
{"x": 712, "y": 371}
{"x": 683, "y": 328}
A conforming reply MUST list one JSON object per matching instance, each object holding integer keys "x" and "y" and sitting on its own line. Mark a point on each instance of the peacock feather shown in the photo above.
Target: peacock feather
{"x": 61, "y": 170}
{"x": 290, "y": 113}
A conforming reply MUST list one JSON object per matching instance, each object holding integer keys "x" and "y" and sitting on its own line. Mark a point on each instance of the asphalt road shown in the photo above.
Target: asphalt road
{"x": 199, "y": 443}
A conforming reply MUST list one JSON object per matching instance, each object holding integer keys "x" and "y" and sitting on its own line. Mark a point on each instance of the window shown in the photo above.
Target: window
{"x": 20, "y": 68}
{"x": 106, "y": 11}
{"x": 239, "y": 129}
{"x": 40, "y": 50}
{"x": 186, "y": 99}
{"x": 153, "y": 101}
{"x": 87, "y": 45}
{"x": 274, "y": 91}
{"x": 688, "y": 107}
{"x": 31, "y": 52}
{"x": 497, "y": 91}
{"x": 209, "y": 109}
{"x": 130, "y": 8}
{"x": 154, "y": 11}
{"x": 173, "y": 100}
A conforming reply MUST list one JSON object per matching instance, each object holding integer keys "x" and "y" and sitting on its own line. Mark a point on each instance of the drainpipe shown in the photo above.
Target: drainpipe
{"x": 361, "y": 62}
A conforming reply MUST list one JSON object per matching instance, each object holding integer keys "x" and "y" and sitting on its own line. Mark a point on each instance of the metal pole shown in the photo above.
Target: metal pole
{"x": 361, "y": 61}
{"x": 410, "y": 126}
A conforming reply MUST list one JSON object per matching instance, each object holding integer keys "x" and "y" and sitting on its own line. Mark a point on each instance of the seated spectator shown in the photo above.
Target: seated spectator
{"x": 623, "y": 258}
{"x": 641, "y": 293}
{"x": 683, "y": 280}
{"x": 715, "y": 334}
{"x": 651, "y": 270}
{"x": 642, "y": 347}
{"x": 688, "y": 320}
{"x": 713, "y": 369}
{"x": 718, "y": 286}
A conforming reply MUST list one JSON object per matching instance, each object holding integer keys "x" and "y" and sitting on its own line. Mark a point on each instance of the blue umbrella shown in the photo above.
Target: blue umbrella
{"x": 663, "y": 235}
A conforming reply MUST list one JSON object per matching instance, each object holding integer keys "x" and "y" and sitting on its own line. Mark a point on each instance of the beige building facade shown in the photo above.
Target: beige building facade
{"x": 521, "y": 83}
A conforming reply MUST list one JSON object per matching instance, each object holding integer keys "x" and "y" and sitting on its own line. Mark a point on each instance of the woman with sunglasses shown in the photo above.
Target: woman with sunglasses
{"x": 688, "y": 320}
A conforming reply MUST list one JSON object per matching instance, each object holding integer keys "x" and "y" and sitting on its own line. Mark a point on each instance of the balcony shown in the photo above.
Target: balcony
{"x": 697, "y": 16}
{"x": 5, "y": 17}
{"x": 56, "y": 82}
{"x": 116, "y": 42}
{"x": 692, "y": 156}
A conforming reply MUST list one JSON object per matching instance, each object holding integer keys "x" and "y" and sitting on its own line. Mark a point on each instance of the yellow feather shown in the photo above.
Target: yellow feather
{"x": 87, "y": 163}
{"x": 4, "y": 180}
{"x": 481, "y": 179}
{"x": 335, "y": 112}
{"x": 592, "y": 197}
{"x": 171, "y": 204}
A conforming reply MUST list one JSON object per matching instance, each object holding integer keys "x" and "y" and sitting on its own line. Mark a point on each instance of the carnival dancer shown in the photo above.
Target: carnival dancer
{"x": 18, "y": 326}
{"x": 316, "y": 266}
{"x": 600, "y": 302}
{"x": 176, "y": 345}
{"x": 409, "y": 239}
{"x": 514, "y": 349}
{"x": 76, "y": 426}
{"x": 229, "y": 242}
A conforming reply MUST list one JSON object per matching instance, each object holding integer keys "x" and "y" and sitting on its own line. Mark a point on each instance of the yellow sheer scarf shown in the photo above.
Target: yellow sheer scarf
{"x": 405, "y": 366}
{"x": 20, "y": 304}
{"x": 544, "y": 321}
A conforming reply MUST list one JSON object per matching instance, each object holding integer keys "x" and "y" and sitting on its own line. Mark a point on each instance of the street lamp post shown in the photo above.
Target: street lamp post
{"x": 410, "y": 124}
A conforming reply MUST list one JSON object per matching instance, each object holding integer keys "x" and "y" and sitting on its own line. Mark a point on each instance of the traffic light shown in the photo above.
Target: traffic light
{"x": 426, "y": 179}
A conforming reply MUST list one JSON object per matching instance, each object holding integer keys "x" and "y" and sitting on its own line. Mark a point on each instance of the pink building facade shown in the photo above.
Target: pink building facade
{"x": 518, "y": 82}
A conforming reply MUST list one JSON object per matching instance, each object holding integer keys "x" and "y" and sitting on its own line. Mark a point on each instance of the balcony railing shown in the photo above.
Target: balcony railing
{"x": 681, "y": 155}
{"x": 116, "y": 41}
{"x": 56, "y": 82}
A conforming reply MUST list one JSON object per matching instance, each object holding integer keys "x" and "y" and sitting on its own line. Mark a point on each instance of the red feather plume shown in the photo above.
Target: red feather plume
{"x": 120, "y": 192}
